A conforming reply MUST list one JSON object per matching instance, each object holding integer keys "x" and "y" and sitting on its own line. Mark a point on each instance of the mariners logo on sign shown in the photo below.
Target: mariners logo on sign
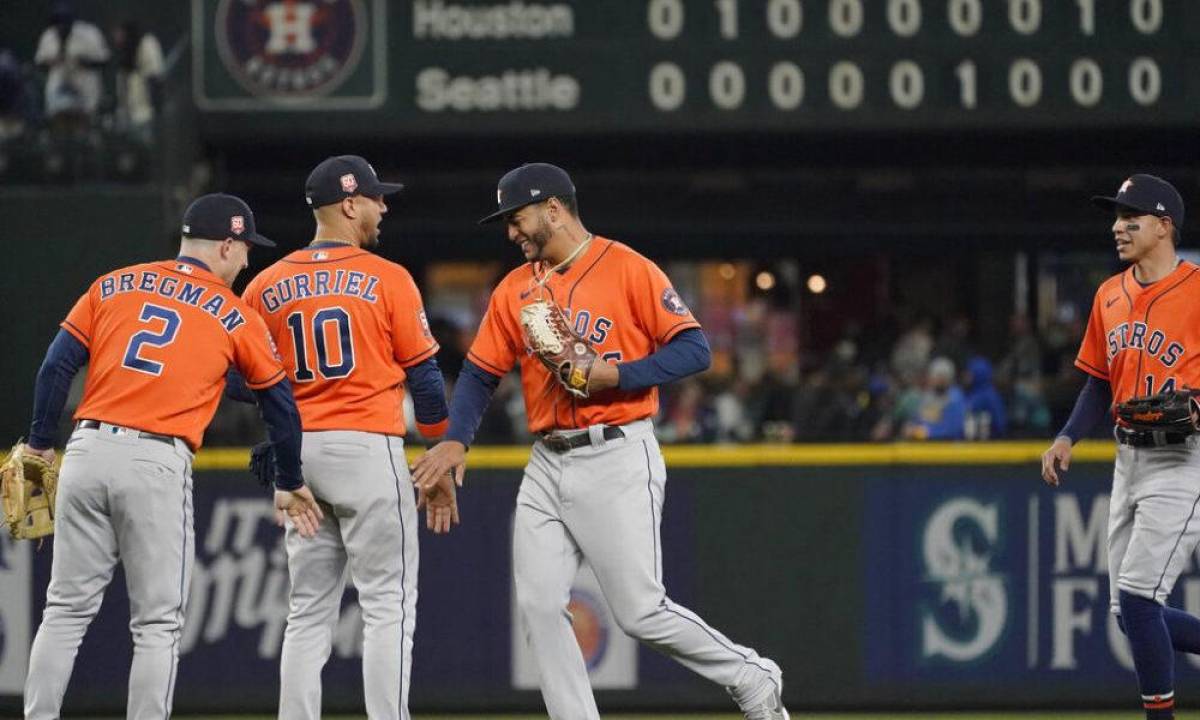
{"x": 290, "y": 48}
{"x": 969, "y": 608}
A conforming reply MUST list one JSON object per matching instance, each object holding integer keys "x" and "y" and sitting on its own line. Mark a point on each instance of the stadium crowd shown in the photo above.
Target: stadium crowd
{"x": 919, "y": 379}
{"x": 85, "y": 107}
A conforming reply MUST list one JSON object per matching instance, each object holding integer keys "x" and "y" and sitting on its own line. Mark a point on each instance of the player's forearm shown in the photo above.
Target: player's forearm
{"x": 1093, "y": 403}
{"x": 472, "y": 393}
{"x": 282, "y": 418}
{"x": 63, "y": 359}
{"x": 686, "y": 354}
{"x": 428, "y": 391}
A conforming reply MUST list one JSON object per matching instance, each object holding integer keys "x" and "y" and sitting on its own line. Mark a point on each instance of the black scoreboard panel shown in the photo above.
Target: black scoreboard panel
{"x": 722, "y": 66}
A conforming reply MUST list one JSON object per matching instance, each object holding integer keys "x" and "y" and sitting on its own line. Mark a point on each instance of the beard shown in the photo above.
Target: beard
{"x": 538, "y": 239}
{"x": 371, "y": 237}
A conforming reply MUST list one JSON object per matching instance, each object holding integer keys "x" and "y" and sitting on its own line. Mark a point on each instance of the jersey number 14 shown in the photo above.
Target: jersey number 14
{"x": 332, "y": 323}
{"x": 1167, "y": 386}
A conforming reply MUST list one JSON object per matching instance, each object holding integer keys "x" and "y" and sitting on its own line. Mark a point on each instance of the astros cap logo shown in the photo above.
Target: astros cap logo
{"x": 349, "y": 184}
{"x": 237, "y": 224}
{"x": 1125, "y": 186}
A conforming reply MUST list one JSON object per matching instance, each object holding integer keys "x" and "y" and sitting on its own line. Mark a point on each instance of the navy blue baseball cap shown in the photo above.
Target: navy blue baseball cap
{"x": 528, "y": 184}
{"x": 1148, "y": 195}
{"x": 219, "y": 216}
{"x": 343, "y": 176}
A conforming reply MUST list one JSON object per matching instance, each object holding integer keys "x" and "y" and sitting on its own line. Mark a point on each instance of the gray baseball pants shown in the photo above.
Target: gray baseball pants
{"x": 121, "y": 497}
{"x": 370, "y": 533}
{"x": 604, "y": 502}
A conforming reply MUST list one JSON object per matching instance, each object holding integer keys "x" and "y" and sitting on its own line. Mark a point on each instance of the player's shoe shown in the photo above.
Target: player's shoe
{"x": 765, "y": 700}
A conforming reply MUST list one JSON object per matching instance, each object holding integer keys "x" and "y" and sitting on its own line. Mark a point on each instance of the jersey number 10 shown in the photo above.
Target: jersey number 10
{"x": 331, "y": 318}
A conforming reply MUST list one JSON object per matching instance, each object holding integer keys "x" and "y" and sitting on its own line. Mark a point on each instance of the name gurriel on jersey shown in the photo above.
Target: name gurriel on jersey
{"x": 168, "y": 286}
{"x": 319, "y": 283}
{"x": 1133, "y": 336}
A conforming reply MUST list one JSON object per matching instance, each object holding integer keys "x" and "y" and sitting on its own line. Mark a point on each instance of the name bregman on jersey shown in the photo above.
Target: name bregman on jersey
{"x": 319, "y": 283}
{"x": 1133, "y": 336}
{"x": 168, "y": 286}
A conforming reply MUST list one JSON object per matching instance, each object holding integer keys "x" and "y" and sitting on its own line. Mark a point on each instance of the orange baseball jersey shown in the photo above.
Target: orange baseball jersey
{"x": 1143, "y": 340}
{"x": 160, "y": 337}
{"x": 619, "y": 300}
{"x": 347, "y": 323}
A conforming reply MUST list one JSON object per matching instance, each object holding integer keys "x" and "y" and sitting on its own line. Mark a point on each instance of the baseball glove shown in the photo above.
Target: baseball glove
{"x": 28, "y": 485}
{"x": 569, "y": 357}
{"x": 1175, "y": 411}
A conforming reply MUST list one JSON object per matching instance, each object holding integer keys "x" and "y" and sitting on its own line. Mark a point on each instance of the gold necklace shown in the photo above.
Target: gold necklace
{"x": 540, "y": 282}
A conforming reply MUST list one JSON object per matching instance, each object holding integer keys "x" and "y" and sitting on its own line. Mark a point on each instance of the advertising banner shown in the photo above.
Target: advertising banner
{"x": 974, "y": 580}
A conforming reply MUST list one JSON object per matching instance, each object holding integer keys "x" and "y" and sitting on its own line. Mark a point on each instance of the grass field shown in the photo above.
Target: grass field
{"x": 1132, "y": 714}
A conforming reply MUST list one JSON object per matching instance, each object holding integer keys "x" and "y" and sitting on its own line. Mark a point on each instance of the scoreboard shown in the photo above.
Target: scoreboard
{"x": 446, "y": 67}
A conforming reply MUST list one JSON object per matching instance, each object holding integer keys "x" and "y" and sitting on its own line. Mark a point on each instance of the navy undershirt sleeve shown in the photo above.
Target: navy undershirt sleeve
{"x": 236, "y": 388}
{"x": 282, "y": 418}
{"x": 428, "y": 391}
{"x": 1093, "y": 403}
{"x": 685, "y": 354}
{"x": 472, "y": 393}
{"x": 63, "y": 359}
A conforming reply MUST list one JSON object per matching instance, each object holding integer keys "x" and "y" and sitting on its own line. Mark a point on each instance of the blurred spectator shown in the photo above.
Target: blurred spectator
{"x": 910, "y": 355}
{"x": 687, "y": 419}
{"x": 941, "y": 412}
{"x": 1020, "y": 374}
{"x": 13, "y": 100}
{"x": 954, "y": 342}
{"x": 986, "y": 419}
{"x": 732, "y": 420}
{"x": 139, "y": 80}
{"x": 72, "y": 52}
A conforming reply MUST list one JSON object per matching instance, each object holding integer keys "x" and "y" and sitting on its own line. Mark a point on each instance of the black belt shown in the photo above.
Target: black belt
{"x": 559, "y": 443}
{"x": 1150, "y": 438}
{"x": 95, "y": 425}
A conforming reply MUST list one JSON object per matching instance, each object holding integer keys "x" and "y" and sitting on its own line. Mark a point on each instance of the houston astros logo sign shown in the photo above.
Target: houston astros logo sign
{"x": 290, "y": 48}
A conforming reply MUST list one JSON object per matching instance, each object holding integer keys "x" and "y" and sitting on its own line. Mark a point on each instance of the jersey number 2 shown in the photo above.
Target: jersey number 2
{"x": 322, "y": 319}
{"x": 166, "y": 336}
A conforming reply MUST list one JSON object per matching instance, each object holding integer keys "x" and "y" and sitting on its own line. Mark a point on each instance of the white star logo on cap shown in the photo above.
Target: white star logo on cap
{"x": 1125, "y": 186}
{"x": 534, "y": 192}
{"x": 499, "y": 200}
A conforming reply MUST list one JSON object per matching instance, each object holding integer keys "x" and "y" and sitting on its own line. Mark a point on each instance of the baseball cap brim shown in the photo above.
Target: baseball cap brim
{"x": 260, "y": 240}
{"x": 1112, "y": 203}
{"x": 499, "y": 214}
{"x": 386, "y": 189}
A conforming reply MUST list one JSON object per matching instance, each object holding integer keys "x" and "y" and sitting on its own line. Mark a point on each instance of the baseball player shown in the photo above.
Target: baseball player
{"x": 1142, "y": 338}
{"x": 157, "y": 340}
{"x": 595, "y": 481}
{"x": 352, "y": 331}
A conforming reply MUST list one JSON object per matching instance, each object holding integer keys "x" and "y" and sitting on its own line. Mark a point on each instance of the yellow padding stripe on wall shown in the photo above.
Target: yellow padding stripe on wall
{"x": 928, "y": 453}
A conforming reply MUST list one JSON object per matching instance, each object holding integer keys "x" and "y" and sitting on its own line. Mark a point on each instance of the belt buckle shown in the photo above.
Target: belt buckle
{"x": 556, "y": 443}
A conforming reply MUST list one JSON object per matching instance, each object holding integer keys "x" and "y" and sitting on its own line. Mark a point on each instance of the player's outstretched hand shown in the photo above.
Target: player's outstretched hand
{"x": 448, "y": 456}
{"x": 1057, "y": 456}
{"x": 301, "y": 507}
{"x": 441, "y": 506}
